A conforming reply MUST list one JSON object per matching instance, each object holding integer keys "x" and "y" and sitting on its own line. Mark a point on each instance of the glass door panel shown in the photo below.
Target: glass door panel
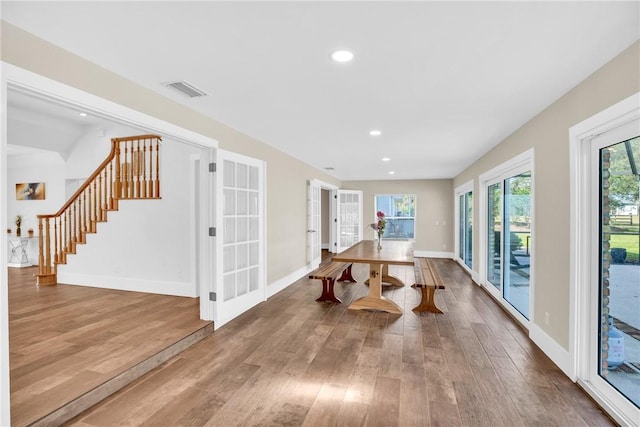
{"x": 619, "y": 281}
{"x": 517, "y": 241}
{"x": 465, "y": 226}
{"x": 349, "y": 220}
{"x": 314, "y": 224}
{"x": 494, "y": 238}
{"x": 468, "y": 228}
{"x": 241, "y": 282}
{"x": 461, "y": 227}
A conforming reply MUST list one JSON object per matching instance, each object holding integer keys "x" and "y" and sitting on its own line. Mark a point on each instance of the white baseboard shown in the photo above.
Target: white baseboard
{"x": 474, "y": 274}
{"x": 326, "y": 246}
{"x": 285, "y": 281}
{"x": 432, "y": 254}
{"x": 178, "y": 289}
{"x": 553, "y": 350}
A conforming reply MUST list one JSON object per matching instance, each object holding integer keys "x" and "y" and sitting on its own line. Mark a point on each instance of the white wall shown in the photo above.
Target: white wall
{"x": 42, "y": 167}
{"x": 434, "y": 211}
{"x": 119, "y": 255}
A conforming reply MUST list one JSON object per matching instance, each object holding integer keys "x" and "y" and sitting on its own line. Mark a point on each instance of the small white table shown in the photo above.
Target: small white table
{"x": 18, "y": 251}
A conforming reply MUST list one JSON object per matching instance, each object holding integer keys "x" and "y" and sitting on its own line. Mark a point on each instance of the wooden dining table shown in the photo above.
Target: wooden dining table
{"x": 366, "y": 252}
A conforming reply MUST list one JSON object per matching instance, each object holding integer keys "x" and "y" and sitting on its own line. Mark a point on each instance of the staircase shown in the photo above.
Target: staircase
{"x": 130, "y": 171}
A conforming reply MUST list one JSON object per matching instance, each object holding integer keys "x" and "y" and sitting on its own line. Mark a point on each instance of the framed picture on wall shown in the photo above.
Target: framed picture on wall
{"x": 30, "y": 191}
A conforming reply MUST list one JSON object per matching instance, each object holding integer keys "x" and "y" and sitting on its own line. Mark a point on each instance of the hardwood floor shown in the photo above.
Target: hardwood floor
{"x": 291, "y": 361}
{"x": 67, "y": 341}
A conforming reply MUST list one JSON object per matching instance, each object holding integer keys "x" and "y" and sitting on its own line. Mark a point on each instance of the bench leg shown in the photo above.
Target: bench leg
{"x": 346, "y": 275}
{"x": 327, "y": 292}
{"x": 428, "y": 302}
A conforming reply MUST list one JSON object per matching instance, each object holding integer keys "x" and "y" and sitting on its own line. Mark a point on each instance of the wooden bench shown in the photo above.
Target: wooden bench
{"x": 328, "y": 274}
{"x": 428, "y": 280}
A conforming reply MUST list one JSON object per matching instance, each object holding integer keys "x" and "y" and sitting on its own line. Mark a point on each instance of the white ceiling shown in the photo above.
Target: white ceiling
{"x": 443, "y": 81}
{"x": 37, "y": 124}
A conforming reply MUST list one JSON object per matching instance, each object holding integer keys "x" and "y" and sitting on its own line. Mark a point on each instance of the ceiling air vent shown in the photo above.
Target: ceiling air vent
{"x": 187, "y": 88}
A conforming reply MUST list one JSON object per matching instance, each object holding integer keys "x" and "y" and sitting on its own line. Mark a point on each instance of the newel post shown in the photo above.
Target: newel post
{"x": 46, "y": 272}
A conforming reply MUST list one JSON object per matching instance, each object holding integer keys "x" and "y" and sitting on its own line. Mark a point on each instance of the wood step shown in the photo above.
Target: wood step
{"x": 75, "y": 407}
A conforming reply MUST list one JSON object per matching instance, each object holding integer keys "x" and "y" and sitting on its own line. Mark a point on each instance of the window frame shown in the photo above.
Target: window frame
{"x": 390, "y": 217}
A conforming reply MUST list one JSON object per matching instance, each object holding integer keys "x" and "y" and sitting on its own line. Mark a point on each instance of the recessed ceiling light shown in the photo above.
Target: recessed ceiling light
{"x": 83, "y": 114}
{"x": 342, "y": 56}
{"x": 375, "y": 132}
{"x": 329, "y": 168}
{"x": 385, "y": 159}
{"x": 392, "y": 173}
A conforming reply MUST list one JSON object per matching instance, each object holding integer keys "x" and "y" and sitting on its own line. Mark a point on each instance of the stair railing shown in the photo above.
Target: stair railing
{"x": 130, "y": 171}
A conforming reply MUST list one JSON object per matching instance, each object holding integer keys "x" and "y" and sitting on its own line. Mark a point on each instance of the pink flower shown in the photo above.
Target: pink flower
{"x": 379, "y": 226}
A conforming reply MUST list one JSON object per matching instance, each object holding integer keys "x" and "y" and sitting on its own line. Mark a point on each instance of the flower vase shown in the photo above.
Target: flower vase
{"x": 379, "y": 241}
{"x": 18, "y": 231}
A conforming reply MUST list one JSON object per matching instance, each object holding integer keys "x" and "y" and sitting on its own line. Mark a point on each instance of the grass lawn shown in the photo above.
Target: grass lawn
{"x": 627, "y": 241}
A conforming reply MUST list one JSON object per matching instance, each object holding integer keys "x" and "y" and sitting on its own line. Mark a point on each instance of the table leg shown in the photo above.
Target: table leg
{"x": 375, "y": 300}
{"x": 387, "y": 278}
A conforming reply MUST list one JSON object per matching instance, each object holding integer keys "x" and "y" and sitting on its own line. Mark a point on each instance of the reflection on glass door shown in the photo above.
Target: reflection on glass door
{"x": 494, "y": 238}
{"x": 619, "y": 281}
{"x": 508, "y": 239}
{"x": 461, "y": 212}
{"x": 517, "y": 241}
{"x": 465, "y": 227}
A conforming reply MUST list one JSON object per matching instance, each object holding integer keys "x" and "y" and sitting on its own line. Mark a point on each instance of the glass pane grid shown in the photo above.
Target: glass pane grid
{"x": 241, "y": 221}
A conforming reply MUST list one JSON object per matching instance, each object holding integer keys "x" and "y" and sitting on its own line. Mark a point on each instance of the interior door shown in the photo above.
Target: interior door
{"x": 240, "y": 248}
{"x": 314, "y": 225}
{"x": 349, "y": 218}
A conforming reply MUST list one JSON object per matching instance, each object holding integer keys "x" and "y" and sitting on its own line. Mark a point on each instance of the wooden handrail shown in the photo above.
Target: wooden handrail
{"x": 130, "y": 171}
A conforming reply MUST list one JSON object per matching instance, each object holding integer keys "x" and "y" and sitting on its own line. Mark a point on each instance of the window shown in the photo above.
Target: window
{"x": 400, "y": 212}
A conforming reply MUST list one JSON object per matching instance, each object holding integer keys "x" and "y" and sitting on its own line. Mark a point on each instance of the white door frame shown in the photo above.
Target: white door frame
{"x": 580, "y": 365}
{"x": 21, "y": 79}
{"x": 332, "y": 212}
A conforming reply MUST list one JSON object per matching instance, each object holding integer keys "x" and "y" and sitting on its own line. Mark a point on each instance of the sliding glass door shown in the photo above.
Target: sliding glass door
{"x": 506, "y": 234}
{"x": 618, "y": 283}
{"x": 494, "y": 237}
{"x": 464, "y": 229}
{"x": 517, "y": 241}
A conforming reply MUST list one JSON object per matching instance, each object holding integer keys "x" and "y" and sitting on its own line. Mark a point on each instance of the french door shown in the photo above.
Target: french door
{"x": 240, "y": 268}
{"x": 314, "y": 224}
{"x": 348, "y": 218}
